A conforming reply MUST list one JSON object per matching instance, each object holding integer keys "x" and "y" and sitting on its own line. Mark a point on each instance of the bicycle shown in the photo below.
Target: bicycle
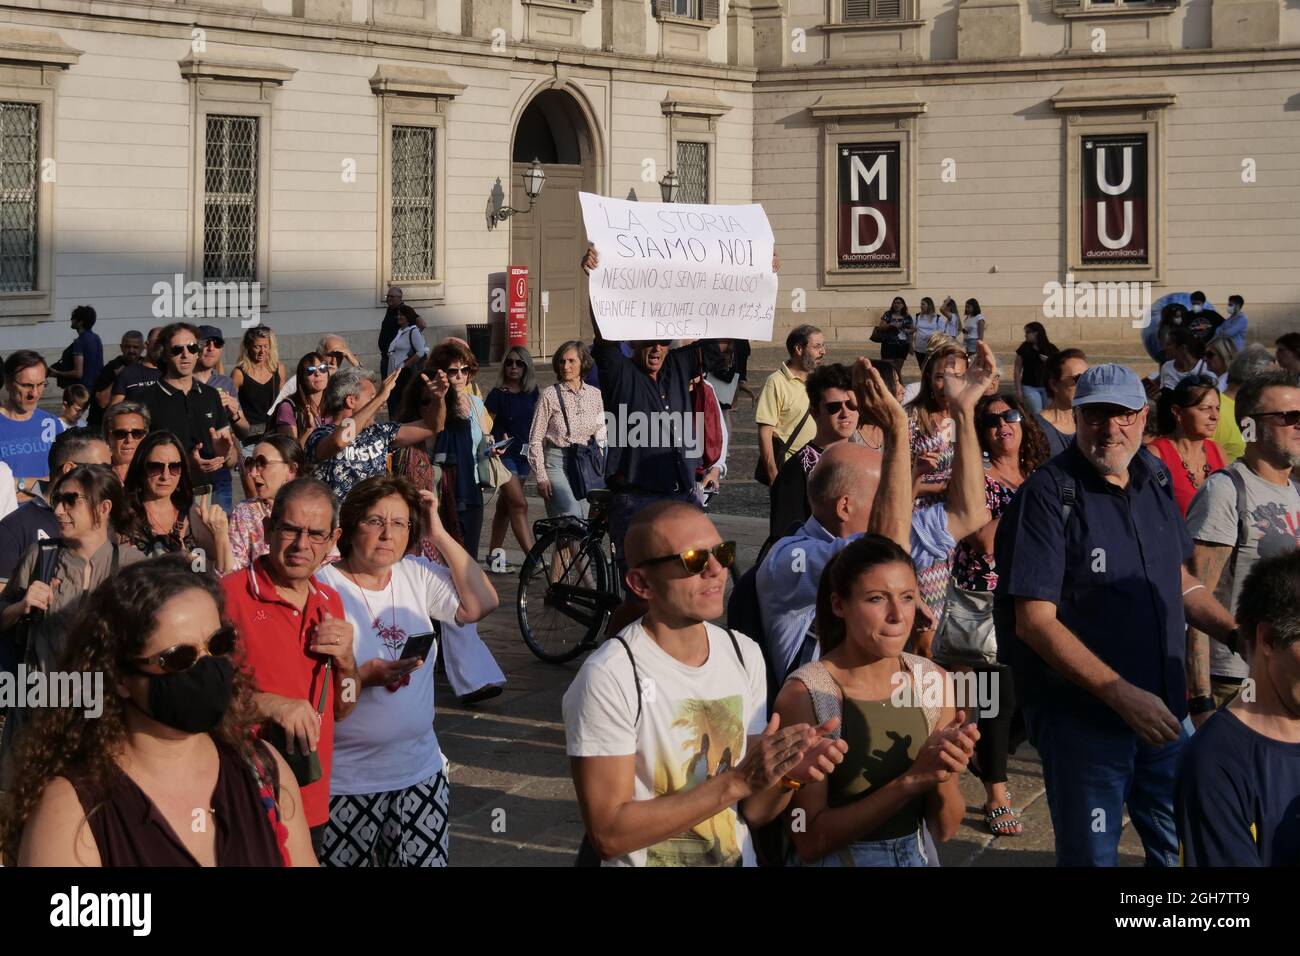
{"x": 568, "y": 584}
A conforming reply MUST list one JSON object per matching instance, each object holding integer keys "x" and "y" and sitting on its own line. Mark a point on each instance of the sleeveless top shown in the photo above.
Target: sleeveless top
{"x": 255, "y": 400}
{"x": 130, "y": 831}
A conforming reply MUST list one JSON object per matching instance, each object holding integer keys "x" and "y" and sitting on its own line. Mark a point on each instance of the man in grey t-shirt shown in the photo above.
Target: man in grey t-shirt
{"x": 1228, "y": 541}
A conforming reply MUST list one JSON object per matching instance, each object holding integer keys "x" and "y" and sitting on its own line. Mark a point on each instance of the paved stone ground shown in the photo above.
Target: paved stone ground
{"x": 512, "y": 797}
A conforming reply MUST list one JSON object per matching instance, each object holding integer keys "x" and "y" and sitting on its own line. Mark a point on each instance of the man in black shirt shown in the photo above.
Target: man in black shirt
{"x": 147, "y": 369}
{"x": 185, "y": 406}
{"x": 132, "y": 348}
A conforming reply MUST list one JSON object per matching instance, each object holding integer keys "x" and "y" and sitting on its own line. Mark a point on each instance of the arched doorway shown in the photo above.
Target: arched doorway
{"x": 550, "y": 240}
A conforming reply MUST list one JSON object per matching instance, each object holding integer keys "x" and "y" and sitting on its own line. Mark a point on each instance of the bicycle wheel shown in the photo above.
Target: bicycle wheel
{"x": 564, "y": 595}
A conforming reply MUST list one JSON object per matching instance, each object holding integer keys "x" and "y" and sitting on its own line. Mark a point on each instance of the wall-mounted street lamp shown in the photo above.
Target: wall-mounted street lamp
{"x": 669, "y": 185}
{"x": 534, "y": 180}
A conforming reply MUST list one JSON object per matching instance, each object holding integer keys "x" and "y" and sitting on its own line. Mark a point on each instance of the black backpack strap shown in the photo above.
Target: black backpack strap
{"x": 112, "y": 570}
{"x": 735, "y": 646}
{"x": 636, "y": 678}
{"x": 1066, "y": 490}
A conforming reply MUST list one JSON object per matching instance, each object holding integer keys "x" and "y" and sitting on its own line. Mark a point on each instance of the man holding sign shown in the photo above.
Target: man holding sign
{"x": 655, "y": 442}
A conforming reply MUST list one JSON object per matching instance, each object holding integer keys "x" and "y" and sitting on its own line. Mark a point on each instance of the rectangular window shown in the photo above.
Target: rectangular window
{"x": 693, "y": 171}
{"x": 414, "y": 195}
{"x": 19, "y": 144}
{"x": 1114, "y": 213}
{"x": 856, "y": 11}
{"x": 868, "y": 209}
{"x": 230, "y": 198}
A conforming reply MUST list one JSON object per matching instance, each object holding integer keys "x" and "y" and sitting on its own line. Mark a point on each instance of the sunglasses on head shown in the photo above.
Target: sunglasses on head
{"x": 1289, "y": 418}
{"x": 122, "y": 434}
{"x": 156, "y": 468}
{"x": 181, "y": 657}
{"x": 317, "y": 369}
{"x": 995, "y": 419}
{"x": 191, "y": 347}
{"x": 697, "y": 559}
{"x": 833, "y": 408}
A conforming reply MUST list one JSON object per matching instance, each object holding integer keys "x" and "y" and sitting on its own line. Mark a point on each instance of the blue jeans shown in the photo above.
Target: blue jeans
{"x": 1091, "y": 772}
{"x": 901, "y": 851}
{"x": 1034, "y": 398}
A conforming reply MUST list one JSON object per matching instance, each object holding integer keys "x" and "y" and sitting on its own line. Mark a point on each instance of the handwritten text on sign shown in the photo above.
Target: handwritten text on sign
{"x": 679, "y": 271}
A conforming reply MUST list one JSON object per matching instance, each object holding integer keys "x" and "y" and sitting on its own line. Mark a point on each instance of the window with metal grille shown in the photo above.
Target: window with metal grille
{"x": 859, "y": 10}
{"x": 414, "y": 198}
{"x": 705, "y": 10}
{"x": 693, "y": 172}
{"x": 230, "y": 198}
{"x": 18, "y": 187}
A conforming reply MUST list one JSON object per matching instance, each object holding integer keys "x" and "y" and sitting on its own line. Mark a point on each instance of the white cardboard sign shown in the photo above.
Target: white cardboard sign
{"x": 680, "y": 271}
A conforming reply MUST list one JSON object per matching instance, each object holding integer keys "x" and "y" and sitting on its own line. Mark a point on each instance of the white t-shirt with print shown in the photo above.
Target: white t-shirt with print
{"x": 387, "y": 743}
{"x": 694, "y": 723}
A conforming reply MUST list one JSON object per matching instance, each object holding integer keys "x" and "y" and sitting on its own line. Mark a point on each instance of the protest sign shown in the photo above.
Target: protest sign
{"x": 680, "y": 271}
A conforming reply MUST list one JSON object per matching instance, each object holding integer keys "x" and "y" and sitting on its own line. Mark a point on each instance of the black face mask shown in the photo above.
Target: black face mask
{"x": 195, "y": 700}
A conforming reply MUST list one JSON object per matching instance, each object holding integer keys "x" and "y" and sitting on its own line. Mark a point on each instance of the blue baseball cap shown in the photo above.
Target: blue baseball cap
{"x": 207, "y": 332}
{"x": 1110, "y": 385}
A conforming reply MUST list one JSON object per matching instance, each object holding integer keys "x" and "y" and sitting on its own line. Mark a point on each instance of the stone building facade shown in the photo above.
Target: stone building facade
{"x": 295, "y": 157}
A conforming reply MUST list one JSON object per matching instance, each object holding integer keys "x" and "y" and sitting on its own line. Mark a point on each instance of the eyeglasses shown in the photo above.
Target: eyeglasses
{"x": 377, "y": 523}
{"x": 456, "y": 370}
{"x": 697, "y": 559}
{"x": 317, "y": 369}
{"x": 261, "y": 462}
{"x": 515, "y": 363}
{"x": 66, "y": 498}
{"x": 191, "y": 347}
{"x": 995, "y": 419}
{"x": 833, "y": 408}
{"x": 181, "y": 657}
{"x": 156, "y": 468}
{"x": 290, "y": 533}
{"x": 1289, "y": 419}
{"x": 122, "y": 434}
{"x": 1096, "y": 416}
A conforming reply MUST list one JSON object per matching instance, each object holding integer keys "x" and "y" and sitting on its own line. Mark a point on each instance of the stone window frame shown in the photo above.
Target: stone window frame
{"x": 236, "y": 88}
{"x": 412, "y": 96}
{"x": 866, "y": 118}
{"x": 30, "y": 65}
{"x": 1114, "y": 110}
{"x": 693, "y": 116}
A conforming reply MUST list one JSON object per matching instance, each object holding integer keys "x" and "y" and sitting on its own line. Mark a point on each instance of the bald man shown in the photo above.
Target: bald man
{"x": 672, "y": 754}
{"x": 852, "y": 491}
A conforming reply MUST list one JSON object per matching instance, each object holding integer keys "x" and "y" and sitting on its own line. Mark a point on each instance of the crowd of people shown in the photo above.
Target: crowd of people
{"x": 265, "y": 566}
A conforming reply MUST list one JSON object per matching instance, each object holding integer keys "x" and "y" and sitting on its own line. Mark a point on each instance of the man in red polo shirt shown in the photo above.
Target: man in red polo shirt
{"x": 290, "y": 625}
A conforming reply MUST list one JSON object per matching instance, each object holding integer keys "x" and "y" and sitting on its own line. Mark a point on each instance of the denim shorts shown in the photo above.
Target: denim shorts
{"x": 901, "y": 851}
{"x": 517, "y": 466}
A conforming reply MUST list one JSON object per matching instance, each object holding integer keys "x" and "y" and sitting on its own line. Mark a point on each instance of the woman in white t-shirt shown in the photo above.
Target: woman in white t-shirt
{"x": 388, "y": 790}
{"x": 974, "y": 326}
{"x": 930, "y": 323}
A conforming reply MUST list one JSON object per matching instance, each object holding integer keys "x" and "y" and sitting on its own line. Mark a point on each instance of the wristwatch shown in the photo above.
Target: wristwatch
{"x": 1201, "y": 705}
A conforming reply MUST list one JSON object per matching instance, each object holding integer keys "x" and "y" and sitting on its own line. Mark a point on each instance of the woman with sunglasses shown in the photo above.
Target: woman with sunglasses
{"x": 462, "y": 434}
{"x": 1186, "y": 419}
{"x": 297, "y": 415}
{"x": 1014, "y": 446}
{"x": 512, "y": 405}
{"x": 1060, "y": 376}
{"x": 169, "y": 774}
{"x": 901, "y": 770}
{"x": 87, "y": 503}
{"x": 162, "y": 515}
{"x": 388, "y": 786}
{"x": 276, "y": 461}
{"x": 125, "y": 426}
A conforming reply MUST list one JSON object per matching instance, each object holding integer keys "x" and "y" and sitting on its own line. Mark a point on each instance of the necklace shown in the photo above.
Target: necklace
{"x": 1195, "y": 482}
{"x": 392, "y": 637}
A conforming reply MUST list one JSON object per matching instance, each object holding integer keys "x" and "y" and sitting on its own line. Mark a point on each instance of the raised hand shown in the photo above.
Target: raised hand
{"x": 876, "y": 403}
{"x": 590, "y": 260}
{"x": 966, "y": 390}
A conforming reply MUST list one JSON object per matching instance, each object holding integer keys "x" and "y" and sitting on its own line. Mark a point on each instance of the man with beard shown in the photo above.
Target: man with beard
{"x": 783, "y": 414}
{"x": 1247, "y": 511}
{"x": 1092, "y": 613}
